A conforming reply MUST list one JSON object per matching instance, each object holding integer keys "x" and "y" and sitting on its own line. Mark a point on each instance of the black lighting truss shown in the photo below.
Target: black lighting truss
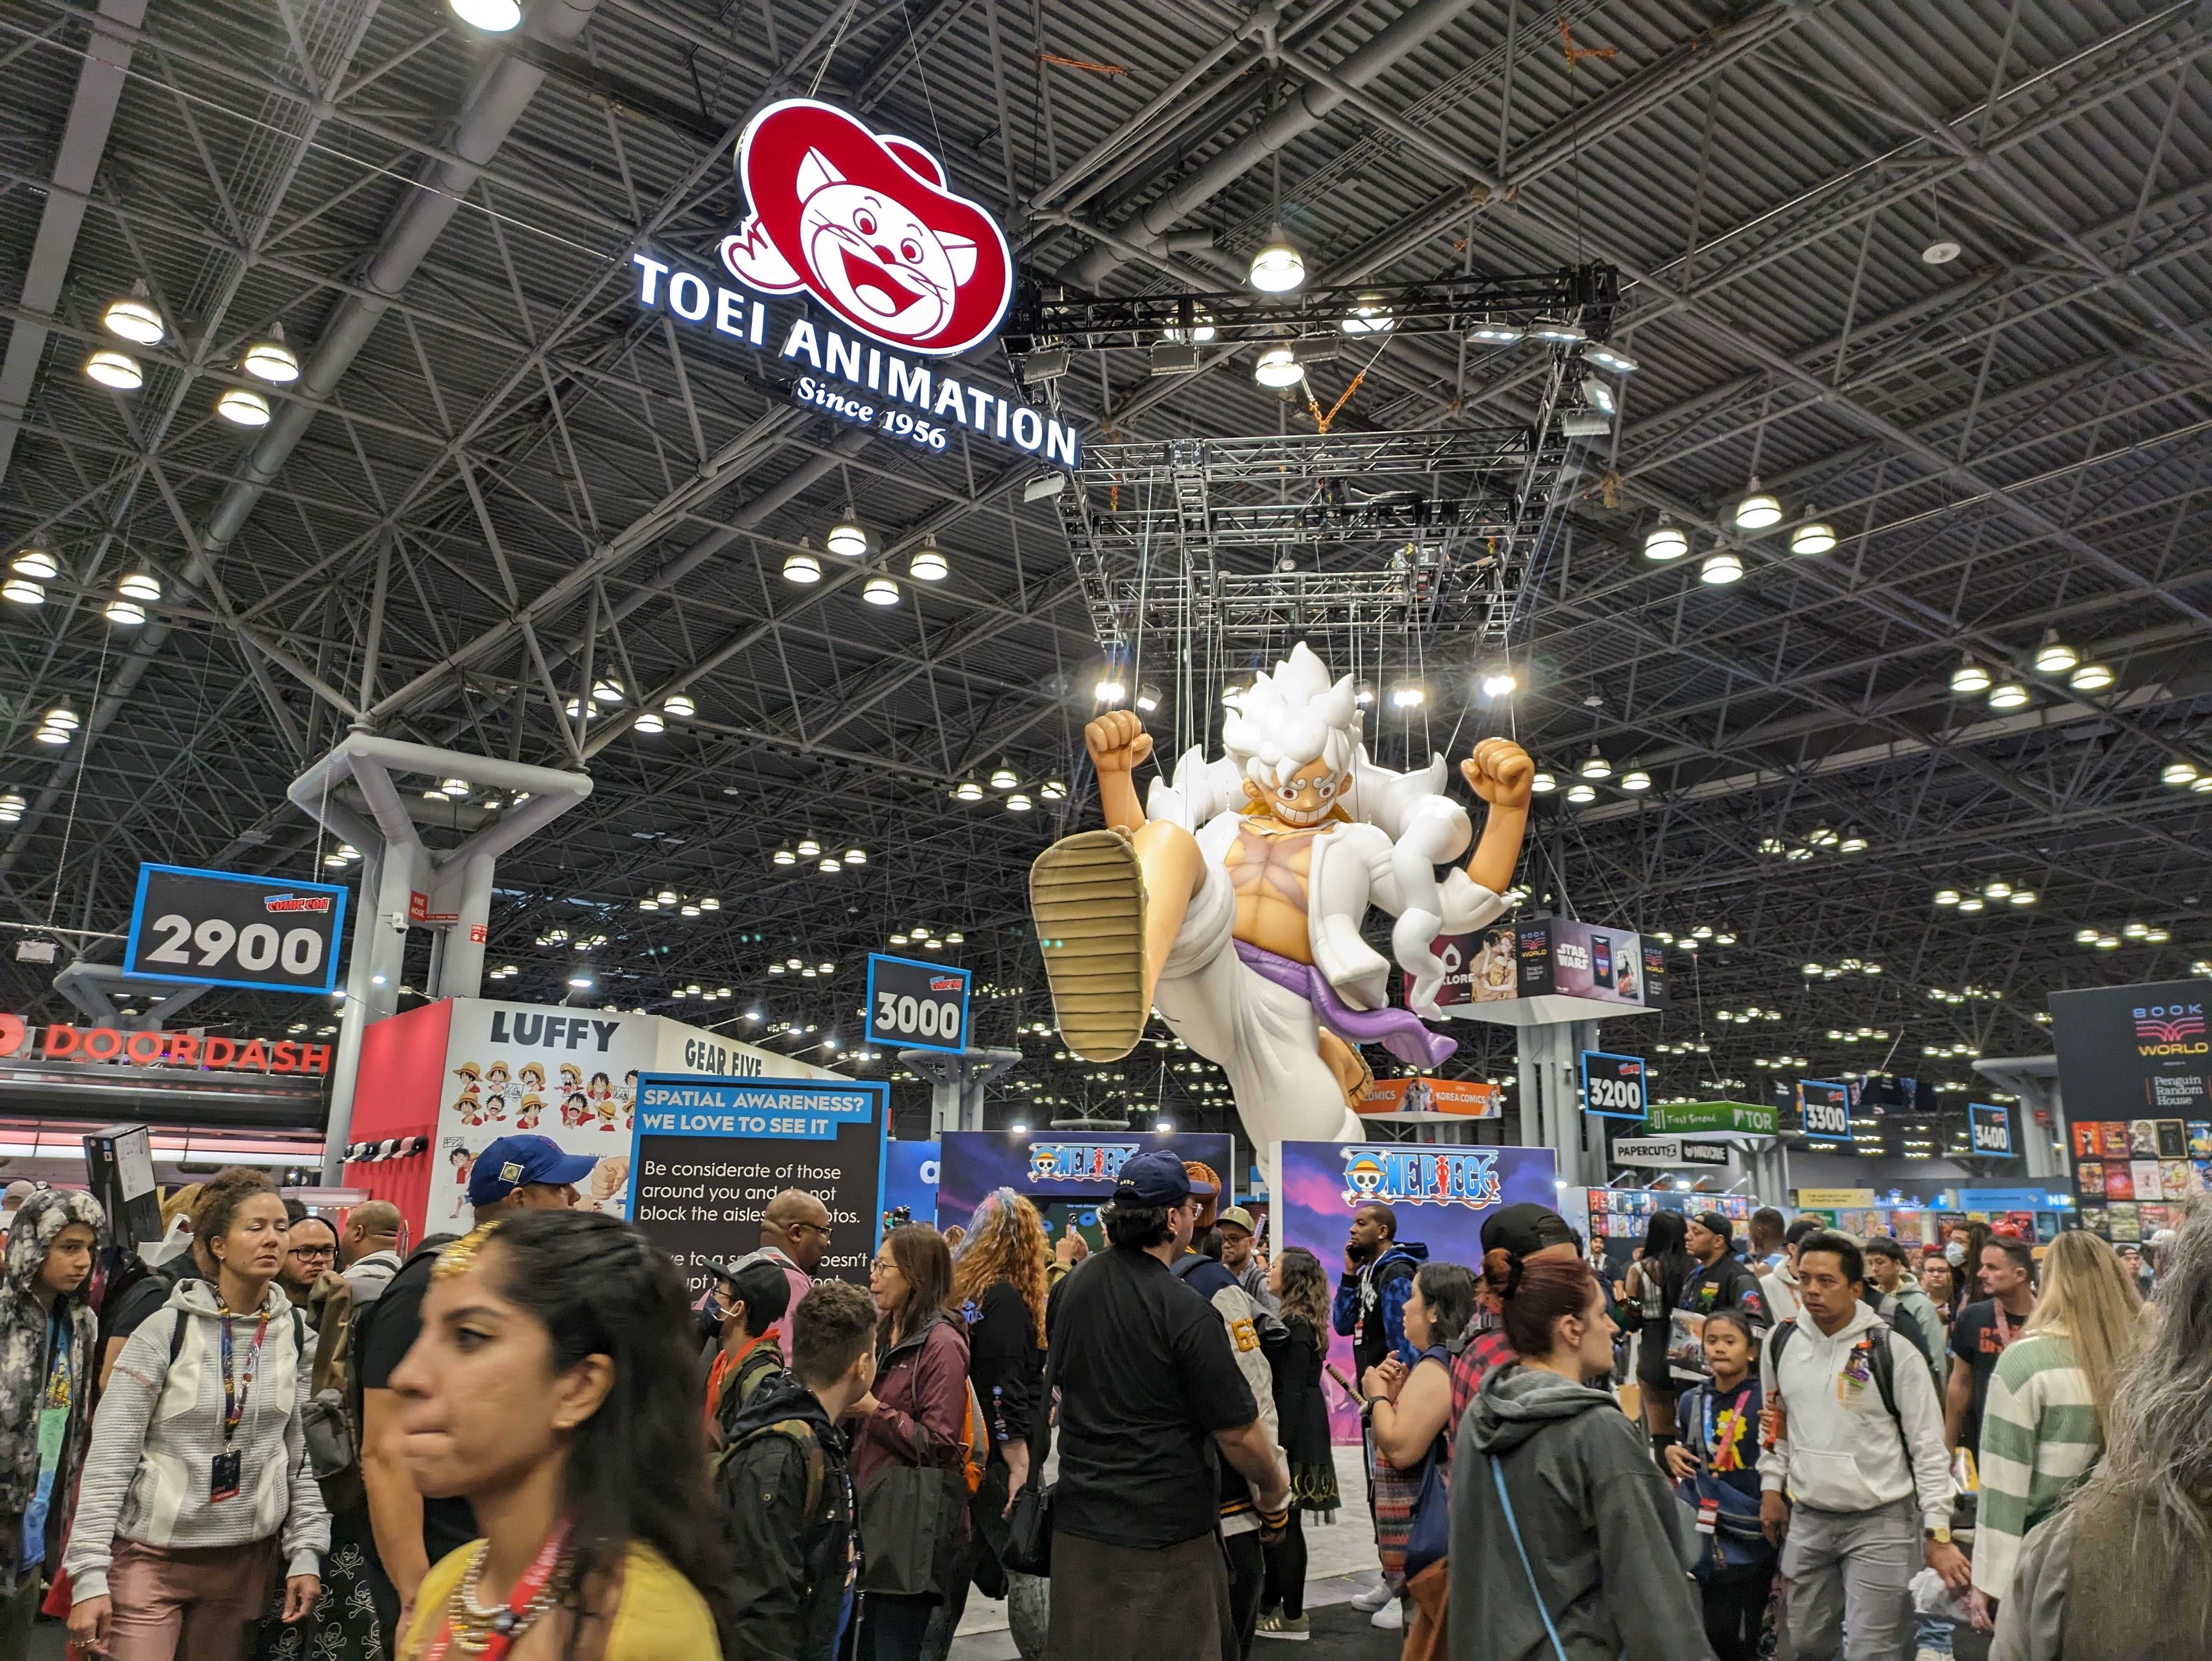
{"x": 1246, "y": 538}
{"x": 1585, "y": 296}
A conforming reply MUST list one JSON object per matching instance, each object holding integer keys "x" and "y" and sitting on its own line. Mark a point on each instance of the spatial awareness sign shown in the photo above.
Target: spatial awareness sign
{"x": 893, "y": 272}
{"x": 707, "y": 1155}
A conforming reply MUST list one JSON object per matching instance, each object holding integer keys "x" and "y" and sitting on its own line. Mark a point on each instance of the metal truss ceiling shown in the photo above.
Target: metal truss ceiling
{"x": 500, "y": 481}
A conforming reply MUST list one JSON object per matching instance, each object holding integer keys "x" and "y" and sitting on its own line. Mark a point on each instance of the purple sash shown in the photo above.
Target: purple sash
{"x": 1400, "y": 1031}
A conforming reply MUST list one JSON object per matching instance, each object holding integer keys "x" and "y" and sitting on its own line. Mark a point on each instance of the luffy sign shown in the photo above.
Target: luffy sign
{"x": 865, "y": 225}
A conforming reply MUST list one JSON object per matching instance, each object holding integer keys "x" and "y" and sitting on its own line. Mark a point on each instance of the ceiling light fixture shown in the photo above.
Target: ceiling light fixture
{"x": 1277, "y": 367}
{"x": 36, "y": 560}
{"x": 680, "y": 706}
{"x": 1053, "y": 790}
{"x": 1636, "y": 779}
{"x": 846, "y": 539}
{"x": 1721, "y": 568}
{"x": 271, "y": 360}
{"x": 1499, "y": 683}
{"x": 801, "y": 566}
{"x": 2091, "y": 677}
{"x": 1665, "y": 541}
{"x": 1409, "y": 696}
{"x": 134, "y": 318}
{"x": 1544, "y": 783}
{"x": 1611, "y": 359}
{"x": 492, "y": 16}
{"x": 1110, "y": 690}
{"x": 2008, "y": 694}
{"x": 649, "y": 721}
{"x": 2177, "y": 773}
{"x": 1019, "y": 802}
{"x": 1579, "y": 793}
{"x": 1595, "y": 766}
{"x": 1148, "y": 698}
{"x": 929, "y": 563}
{"x": 139, "y": 585}
{"x": 1815, "y": 536}
{"x": 1557, "y": 332}
{"x": 1970, "y": 677}
{"x": 1496, "y": 332}
{"x": 967, "y": 790}
{"x": 1277, "y": 267}
{"x": 21, "y": 591}
{"x": 125, "y": 613}
{"x": 119, "y": 371}
{"x": 1758, "y": 510}
{"x": 880, "y": 591}
{"x": 2054, "y": 656}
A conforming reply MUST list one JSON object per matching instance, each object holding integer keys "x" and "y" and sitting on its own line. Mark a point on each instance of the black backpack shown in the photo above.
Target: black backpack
{"x": 1881, "y": 1362}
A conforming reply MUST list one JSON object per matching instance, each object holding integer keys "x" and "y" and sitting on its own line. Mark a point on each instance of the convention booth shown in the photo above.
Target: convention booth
{"x": 439, "y": 1082}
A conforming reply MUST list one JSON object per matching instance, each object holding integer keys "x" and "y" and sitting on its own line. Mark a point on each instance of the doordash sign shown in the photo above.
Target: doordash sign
{"x": 63, "y": 1043}
{"x": 863, "y": 226}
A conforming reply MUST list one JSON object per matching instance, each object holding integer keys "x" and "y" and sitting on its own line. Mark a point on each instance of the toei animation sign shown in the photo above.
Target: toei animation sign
{"x": 895, "y": 274}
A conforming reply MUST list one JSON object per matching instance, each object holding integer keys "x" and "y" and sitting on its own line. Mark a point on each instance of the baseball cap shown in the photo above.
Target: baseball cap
{"x": 1524, "y": 1228}
{"x": 20, "y": 1190}
{"x": 514, "y": 1162}
{"x": 1241, "y": 1218}
{"x": 1157, "y": 1177}
{"x": 1713, "y": 1222}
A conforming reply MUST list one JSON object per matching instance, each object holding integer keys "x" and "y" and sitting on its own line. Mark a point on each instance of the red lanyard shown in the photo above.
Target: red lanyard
{"x": 510, "y": 1623}
{"x": 235, "y": 1390}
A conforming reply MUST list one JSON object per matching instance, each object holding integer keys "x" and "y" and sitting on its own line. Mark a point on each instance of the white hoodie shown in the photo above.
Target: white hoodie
{"x": 1779, "y": 1283}
{"x": 1842, "y": 1451}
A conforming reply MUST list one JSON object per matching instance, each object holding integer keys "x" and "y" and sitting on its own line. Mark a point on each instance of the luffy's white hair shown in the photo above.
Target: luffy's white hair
{"x": 1291, "y": 718}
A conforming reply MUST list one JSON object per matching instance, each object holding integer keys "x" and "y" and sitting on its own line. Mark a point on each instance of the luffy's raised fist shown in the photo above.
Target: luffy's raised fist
{"x": 1117, "y": 741}
{"x": 1500, "y": 772}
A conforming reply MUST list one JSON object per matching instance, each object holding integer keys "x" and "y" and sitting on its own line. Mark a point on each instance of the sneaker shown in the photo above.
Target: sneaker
{"x": 1390, "y": 1618}
{"x": 1373, "y": 1598}
{"x": 1275, "y": 1624}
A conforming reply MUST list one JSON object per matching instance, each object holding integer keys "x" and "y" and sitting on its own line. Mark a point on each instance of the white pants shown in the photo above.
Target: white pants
{"x": 1266, "y": 1039}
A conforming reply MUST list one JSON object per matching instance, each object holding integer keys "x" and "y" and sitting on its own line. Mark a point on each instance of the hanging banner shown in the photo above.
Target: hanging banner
{"x": 1747, "y": 1118}
{"x": 1460, "y": 1099}
{"x": 222, "y": 929}
{"x": 1667, "y": 1152}
{"x": 917, "y": 1006}
{"x": 1991, "y": 1126}
{"x": 1613, "y": 1086}
{"x": 1440, "y": 1192}
{"x": 1057, "y": 1166}
{"x": 1824, "y": 1111}
{"x": 708, "y": 1154}
{"x": 892, "y": 273}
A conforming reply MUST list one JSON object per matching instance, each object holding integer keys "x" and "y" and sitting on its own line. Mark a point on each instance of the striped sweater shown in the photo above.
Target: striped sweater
{"x": 2039, "y": 1435}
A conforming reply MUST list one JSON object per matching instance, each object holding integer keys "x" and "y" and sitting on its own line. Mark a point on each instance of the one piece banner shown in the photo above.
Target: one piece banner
{"x": 1440, "y": 1192}
{"x": 1058, "y": 1165}
{"x": 708, "y": 1154}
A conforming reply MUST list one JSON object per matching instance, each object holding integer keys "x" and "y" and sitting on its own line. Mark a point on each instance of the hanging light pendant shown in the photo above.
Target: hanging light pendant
{"x": 1759, "y": 510}
{"x": 1666, "y": 541}
{"x": 133, "y": 318}
{"x": 1721, "y": 568}
{"x": 929, "y": 563}
{"x": 1814, "y": 535}
{"x": 1277, "y": 267}
{"x": 846, "y": 539}
{"x": 119, "y": 371}
{"x": 271, "y": 360}
{"x": 36, "y": 560}
{"x": 242, "y": 407}
{"x": 801, "y": 566}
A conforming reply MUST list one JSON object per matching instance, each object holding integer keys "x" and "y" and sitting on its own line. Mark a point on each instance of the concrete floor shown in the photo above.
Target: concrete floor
{"x": 1340, "y": 1561}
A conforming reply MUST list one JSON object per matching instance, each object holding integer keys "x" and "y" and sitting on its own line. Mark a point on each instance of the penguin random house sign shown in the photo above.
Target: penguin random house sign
{"x": 893, "y": 274}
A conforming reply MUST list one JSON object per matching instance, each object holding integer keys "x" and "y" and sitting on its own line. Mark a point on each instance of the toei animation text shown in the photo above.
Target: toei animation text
{"x": 1397, "y": 1176}
{"x": 895, "y": 268}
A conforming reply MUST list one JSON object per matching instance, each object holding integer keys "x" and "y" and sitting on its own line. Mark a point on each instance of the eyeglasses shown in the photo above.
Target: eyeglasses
{"x": 823, "y": 1229}
{"x": 314, "y": 1251}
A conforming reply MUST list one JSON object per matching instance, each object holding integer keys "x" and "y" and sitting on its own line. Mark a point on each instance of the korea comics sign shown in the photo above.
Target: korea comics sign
{"x": 221, "y": 929}
{"x": 1992, "y": 1129}
{"x": 917, "y": 1006}
{"x": 892, "y": 273}
{"x": 1613, "y": 1086}
{"x": 1825, "y": 1110}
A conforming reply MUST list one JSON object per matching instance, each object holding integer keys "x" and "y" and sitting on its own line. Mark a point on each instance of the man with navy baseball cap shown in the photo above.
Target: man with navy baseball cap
{"x": 526, "y": 1173}
{"x": 1151, "y": 1396}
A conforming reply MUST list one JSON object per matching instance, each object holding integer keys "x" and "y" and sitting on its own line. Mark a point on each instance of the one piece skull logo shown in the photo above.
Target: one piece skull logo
{"x": 864, "y": 222}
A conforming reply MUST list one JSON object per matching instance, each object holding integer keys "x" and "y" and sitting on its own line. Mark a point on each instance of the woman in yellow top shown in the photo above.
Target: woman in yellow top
{"x": 551, "y": 1387}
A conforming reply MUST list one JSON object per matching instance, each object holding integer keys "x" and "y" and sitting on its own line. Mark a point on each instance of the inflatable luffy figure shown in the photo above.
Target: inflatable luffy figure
{"x": 1232, "y": 900}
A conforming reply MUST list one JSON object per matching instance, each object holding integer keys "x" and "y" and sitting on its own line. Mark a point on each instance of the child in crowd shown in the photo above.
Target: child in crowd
{"x": 1715, "y": 1462}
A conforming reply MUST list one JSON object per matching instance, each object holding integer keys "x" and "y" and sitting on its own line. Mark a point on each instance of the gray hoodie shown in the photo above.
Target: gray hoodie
{"x": 159, "y": 1428}
{"x": 1596, "y": 1519}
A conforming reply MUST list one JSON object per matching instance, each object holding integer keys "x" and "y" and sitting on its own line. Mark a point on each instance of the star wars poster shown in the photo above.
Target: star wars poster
{"x": 1440, "y": 1192}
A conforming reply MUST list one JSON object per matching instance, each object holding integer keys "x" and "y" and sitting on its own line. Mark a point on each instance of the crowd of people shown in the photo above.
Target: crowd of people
{"x": 277, "y": 1437}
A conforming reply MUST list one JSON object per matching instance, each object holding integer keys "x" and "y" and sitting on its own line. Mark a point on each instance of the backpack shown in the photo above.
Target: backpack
{"x": 801, "y": 1436}
{"x": 1882, "y": 1363}
{"x": 1274, "y": 1337}
{"x": 347, "y": 1414}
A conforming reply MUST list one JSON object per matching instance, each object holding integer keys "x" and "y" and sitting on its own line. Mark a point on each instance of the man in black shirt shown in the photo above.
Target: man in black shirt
{"x": 515, "y": 1173}
{"x": 1149, "y": 1390}
{"x": 1980, "y": 1333}
{"x": 1720, "y": 1281}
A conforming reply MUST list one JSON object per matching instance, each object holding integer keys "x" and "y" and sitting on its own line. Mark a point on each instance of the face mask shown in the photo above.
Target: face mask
{"x": 1955, "y": 1255}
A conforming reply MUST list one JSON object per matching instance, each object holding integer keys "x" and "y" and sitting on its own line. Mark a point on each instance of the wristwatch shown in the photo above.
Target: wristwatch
{"x": 1941, "y": 1535}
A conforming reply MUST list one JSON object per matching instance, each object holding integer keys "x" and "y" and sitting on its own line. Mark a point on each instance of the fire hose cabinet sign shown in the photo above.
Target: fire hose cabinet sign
{"x": 224, "y": 929}
{"x": 917, "y": 1006}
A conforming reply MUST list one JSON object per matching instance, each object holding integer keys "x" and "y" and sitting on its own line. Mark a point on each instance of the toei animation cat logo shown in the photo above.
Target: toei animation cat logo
{"x": 864, "y": 222}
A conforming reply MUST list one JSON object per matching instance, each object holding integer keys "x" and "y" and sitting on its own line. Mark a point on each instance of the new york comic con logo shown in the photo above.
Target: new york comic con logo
{"x": 865, "y": 223}
{"x": 1078, "y": 1162}
{"x": 1400, "y": 1175}
{"x": 2170, "y": 1029}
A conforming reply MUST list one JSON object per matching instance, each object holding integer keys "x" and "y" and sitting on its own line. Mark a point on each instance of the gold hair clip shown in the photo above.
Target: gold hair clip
{"x": 460, "y": 1257}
